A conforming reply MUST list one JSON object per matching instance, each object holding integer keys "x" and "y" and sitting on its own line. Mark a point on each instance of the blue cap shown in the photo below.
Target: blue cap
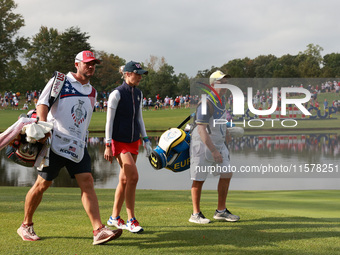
{"x": 134, "y": 67}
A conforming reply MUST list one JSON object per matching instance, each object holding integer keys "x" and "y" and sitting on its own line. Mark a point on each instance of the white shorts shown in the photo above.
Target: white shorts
{"x": 202, "y": 163}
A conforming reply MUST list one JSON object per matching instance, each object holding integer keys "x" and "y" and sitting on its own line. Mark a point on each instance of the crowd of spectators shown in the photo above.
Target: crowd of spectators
{"x": 11, "y": 99}
{"x": 158, "y": 103}
{"x": 327, "y": 87}
{"x": 261, "y": 99}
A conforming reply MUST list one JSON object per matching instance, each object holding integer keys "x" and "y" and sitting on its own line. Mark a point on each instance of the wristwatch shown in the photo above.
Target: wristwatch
{"x": 108, "y": 144}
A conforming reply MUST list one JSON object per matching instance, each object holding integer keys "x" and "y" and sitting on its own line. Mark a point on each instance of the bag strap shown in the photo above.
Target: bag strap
{"x": 57, "y": 85}
{"x": 186, "y": 120}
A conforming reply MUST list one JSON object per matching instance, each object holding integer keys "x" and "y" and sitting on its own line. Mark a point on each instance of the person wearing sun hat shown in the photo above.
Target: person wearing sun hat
{"x": 123, "y": 130}
{"x": 71, "y": 115}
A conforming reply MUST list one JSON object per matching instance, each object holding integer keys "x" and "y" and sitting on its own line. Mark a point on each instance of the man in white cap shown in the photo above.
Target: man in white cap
{"x": 71, "y": 115}
{"x": 208, "y": 150}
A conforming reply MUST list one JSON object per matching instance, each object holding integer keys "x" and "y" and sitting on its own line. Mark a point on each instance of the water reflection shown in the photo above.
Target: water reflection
{"x": 326, "y": 144}
{"x": 245, "y": 151}
{"x": 311, "y": 148}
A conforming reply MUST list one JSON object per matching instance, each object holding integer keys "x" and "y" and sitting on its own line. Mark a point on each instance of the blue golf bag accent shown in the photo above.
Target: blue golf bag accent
{"x": 173, "y": 151}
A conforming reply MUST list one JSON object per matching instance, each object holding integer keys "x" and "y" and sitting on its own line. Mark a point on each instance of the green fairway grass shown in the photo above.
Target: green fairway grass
{"x": 160, "y": 120}
{"x": 272, "y": 222}
{"x": 154, "y": 120}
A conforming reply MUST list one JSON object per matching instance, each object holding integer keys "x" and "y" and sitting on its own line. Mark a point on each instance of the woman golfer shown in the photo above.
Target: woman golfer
{"x": 124, "y": 127}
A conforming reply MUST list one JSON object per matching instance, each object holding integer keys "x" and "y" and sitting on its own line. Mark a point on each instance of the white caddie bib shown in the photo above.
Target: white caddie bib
{"x": 68, "y": 146}
{"x": 71, "y": 116}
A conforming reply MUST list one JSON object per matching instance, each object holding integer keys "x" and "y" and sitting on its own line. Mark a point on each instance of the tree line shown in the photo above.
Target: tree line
{"x": 28, "y": 63}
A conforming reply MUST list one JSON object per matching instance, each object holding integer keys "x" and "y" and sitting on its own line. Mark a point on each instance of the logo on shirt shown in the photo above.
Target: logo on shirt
{"x": 78, "y": 113}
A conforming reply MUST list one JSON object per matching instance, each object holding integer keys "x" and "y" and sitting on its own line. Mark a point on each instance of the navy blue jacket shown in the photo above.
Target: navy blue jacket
{"x": 126, "y": 125}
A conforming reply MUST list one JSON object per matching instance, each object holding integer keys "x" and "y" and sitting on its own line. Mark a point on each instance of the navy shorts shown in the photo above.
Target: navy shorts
{"x": 57, "y": 162}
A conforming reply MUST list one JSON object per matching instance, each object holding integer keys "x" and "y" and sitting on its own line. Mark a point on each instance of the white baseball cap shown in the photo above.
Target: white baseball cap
{"x": 217, "y": 75}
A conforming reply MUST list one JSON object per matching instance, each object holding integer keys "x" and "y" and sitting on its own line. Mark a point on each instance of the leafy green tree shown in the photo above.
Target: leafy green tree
{"x": 145, "y": 84}
{"x": 165, "y": 82}
{"x": 331, "y": 65}
{"x": 16, "y": 77}
{"x": 152, "y": 66}
{"x": 183, "y": 84}
{"x": 305, "y": 64}
{"x": 204, "y": 73}
{"x": 154, "y": 63}
{"x": 52, "y": 51}
{"x": 70, "y": 42}
{"x": 310, "y": 61}
{"x": 160, "y": 80}
{"x": 39, "y": 57}
{"x": 239, "y": 68}
{"x": 10, "y": 46}
{"x": 107, "y": 75}
{"x": 264, "y": 66}
{"x": 286, "y": 67}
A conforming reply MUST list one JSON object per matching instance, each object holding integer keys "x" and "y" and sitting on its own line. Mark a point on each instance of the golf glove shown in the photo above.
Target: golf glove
{"x": 147, "y": 146}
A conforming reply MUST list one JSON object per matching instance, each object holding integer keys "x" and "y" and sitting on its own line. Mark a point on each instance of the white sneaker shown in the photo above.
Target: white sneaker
{"x": 199, "y": 218}
{"x": 103, "y": 235}
{"x": 133, "y": 226}
{"x": 26, "y": 232}
{"x": 116, "y": 222}
{"x": 226, "y": 215}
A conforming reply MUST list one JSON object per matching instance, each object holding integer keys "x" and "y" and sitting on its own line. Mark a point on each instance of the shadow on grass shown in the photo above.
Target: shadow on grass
{"x": 244, "y": 234}
{"x": 270, "y": 235}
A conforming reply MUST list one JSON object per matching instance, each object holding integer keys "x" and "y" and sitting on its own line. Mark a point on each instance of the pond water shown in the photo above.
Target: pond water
{"x": 266, "y": 162}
